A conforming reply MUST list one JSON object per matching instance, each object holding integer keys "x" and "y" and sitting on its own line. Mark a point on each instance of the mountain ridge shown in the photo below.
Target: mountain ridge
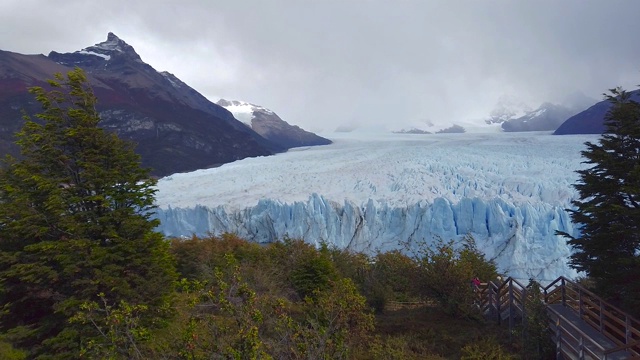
{"x": 270, "y": 126}
{"x": 176, "y": 128}
{"x": 591, "y": 120}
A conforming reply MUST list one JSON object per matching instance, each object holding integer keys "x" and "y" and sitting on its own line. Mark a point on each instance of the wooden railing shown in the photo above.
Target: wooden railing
{"x": 506, "y": 299}
{"x": 570, "y": 340}
{"x": 612, "y": 322}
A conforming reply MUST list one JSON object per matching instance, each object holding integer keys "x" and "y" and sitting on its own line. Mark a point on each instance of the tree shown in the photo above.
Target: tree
{"x": 608, "y": 210}
{"x": 75, "y": 222}
{"x": 446, "y": 271}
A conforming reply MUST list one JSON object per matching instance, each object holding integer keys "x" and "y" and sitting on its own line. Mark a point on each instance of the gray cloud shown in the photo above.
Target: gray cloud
{"x": 385, "y": 63}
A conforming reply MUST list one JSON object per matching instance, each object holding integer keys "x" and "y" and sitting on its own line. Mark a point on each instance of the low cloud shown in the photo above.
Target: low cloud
{"x": 320, "y": 64}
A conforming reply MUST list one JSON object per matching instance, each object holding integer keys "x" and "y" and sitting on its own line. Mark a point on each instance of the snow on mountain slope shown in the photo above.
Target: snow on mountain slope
{"x": 371, "y": 193}
{"x": 242, "y": 111}
{"x": 270, "y": 126}
{"x": 508, "y": 107}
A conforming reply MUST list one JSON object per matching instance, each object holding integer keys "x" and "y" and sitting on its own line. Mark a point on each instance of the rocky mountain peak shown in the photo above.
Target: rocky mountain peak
{"x": 242, "y": 105}
{"x": 244, "y": 111}
{"x": 102, "y": 52}
{"x": 270, "y": 126}
{"x": 113, "y": 45}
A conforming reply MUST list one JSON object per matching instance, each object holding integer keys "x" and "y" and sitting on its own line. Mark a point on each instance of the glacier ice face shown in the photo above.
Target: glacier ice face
{"x": 395, "y": 191}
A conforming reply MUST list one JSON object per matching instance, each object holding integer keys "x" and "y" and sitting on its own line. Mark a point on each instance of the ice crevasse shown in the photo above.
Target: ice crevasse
{"x": 510, "y": 192}
{"x": 521, "y": 239}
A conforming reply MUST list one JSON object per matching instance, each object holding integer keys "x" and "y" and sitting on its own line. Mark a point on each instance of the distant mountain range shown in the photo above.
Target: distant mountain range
{"x": 412, "y": 131}
{"x": 515, "y": 116}
{"x": 591, "y": 120}
{"x": 454, "y": 129}
{"x": 176, "y": 128}
{"x": 545, "y": 118}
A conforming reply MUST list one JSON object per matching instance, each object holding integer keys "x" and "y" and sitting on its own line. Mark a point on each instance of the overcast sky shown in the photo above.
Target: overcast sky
{"x": 388, "y": 63}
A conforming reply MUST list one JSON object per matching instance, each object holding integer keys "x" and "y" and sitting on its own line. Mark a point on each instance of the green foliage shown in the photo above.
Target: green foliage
{"x": 608, "y": 211}
{"x": 391, "y": 278}
{"x": 196, "y": 258}
{"x": 336, "y": 318}
{"x": 8, "y": 352}
{"x": 75, "y": 222}
{"x": 397, "y": 272}
{"x": 120, "y": 328}
{"x": 485, "y": 349}
{"x": 397, "y": 347}
{"x": 446, "y": 273}
{"x": 241, "y": 301}
{"x": 306, "y": 268}
{"x": 536, "y": 337}
{"x": 223, "y": 319}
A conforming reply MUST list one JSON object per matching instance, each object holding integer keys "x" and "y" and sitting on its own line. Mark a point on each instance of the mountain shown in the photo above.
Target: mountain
{"x": 507, "y": 108}
{"x": 590, "y": 121}
{"x": 176, "y": 128}
{"x": 370, "y": 192}
{"x": 411, "y": 131}
{"x": 453, "y": 129}
{"x": 546, "y": 118}
{"x": 514, "y": 115}
{"x": 270, "y": 126}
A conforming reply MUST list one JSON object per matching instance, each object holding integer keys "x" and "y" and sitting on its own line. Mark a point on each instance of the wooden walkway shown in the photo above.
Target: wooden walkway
{"x": 575, "y": 339}
{"x": 583, "y": 325}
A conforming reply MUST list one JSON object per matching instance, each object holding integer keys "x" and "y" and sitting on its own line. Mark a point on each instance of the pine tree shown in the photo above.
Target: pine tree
{"x": 608, "y": 211}
{"x": 75, "y": 221}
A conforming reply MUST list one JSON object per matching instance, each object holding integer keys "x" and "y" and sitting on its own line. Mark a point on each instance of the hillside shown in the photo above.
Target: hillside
{"x": 176, "y": 129}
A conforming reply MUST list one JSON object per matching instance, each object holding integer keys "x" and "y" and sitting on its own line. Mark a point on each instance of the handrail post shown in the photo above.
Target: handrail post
{"x": 581, "y": 347}
{"x": 510, "y": 308}
{"x": 498, "y": 301}
{"x": 601, "y": 317}
{"x": 558, "y": 340}
{"x": 580, "y": 304}
{"x": 564, "y": 292}
{"x": 490, "y": 300}
{"x": 627, "y": 329}
{"x": 523, "y": 302}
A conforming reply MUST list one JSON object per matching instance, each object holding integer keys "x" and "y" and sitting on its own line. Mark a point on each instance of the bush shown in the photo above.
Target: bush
{"x": 446, "y": 272}
{"x": 485, "y": 349}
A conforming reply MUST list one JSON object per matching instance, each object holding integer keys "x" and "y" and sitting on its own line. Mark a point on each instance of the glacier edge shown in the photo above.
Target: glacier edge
{"x": 520, "y": 237}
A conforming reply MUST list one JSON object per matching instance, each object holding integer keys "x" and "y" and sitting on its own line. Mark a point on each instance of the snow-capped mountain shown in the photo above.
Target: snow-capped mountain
{"x": 270, "y": 126}
{"x": 514, "y": 115}
{"x": 102, "y": 52}
{"x": 547, "y": 117}
{"x": 369, "y": 193}
{"x": 507, "y": 108}
{"x": 175, "y": 128}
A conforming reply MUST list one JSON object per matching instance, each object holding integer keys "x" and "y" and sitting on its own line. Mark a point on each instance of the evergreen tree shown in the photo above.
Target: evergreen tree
{"x": 608, "y": 210}
{"x": 74, "y": 223}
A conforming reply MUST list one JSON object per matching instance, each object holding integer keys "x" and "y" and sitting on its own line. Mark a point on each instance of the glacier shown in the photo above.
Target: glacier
{"x": 373, "y": 192}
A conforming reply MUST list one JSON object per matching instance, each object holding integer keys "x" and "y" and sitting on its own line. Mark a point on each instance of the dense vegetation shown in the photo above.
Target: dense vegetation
{"x": 84, "y": 275}
{"x": 608, "y": 211}
{"x": 290, "y": 300}
{"x": 75, "y": 226}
